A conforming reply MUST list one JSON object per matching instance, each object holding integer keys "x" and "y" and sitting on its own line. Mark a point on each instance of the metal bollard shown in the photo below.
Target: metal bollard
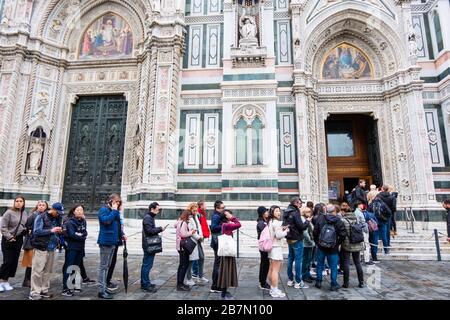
{"x": 237, "y": 242}
{"x": 438, "y": 249}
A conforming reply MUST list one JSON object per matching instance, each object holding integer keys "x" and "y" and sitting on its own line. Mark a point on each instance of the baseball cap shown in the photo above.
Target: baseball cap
{"x": 58, "y": 206}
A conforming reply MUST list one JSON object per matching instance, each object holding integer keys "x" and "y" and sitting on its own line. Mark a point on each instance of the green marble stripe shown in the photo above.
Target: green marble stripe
{"x": 28, "y": 196}
{"x": 288, "y": 185}
{"x": 440, "y": 77}
{"x": 246, "y": 77}
{"x": 204, "y": 86}
{"x": 199, "y": 185}
{"x": 441, "y": 169}
{"x": 442, "y": 184}
{"x": 428, "y": 36}
{"x": 249, "y": 196}
{"x": 285, "y": 84}
{"x": 249, "y": 183}
{"x": 186, "y": 52}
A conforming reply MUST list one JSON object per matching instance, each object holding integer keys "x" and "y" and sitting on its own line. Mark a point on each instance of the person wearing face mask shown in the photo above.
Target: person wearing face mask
{"x": 76, "y": 237}
{"x": 27, "y": 260}
{"x": 13, "y": 230}
{"x": 47, "y": 227}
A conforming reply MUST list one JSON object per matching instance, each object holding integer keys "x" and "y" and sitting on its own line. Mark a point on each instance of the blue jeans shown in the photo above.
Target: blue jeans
{"x": 383, "y": 234}
{"x": 73, "y": 258}
{"x": 195, "y": 268}
{"x": 332, "y": 259}
{"x": 306, "y": 263}
{"x": 373, "y": 240}
{"x": 147, "y": 264}
{"x": 295, "y": 254}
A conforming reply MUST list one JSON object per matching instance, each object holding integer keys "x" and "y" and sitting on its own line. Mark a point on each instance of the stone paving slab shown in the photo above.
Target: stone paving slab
{"x": 411, "y": 280}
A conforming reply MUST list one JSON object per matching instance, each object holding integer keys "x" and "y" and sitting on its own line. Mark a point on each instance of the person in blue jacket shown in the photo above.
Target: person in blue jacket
{"x": 108, "y": 238}
{"x": 216, "y": 230}
{"x": 76, "y": 234}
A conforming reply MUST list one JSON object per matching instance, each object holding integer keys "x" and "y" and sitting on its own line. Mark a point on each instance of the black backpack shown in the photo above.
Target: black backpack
{"x": 327, "y": 238}
{"x": 381, "y": 210}
{"x": 356, "y": 232}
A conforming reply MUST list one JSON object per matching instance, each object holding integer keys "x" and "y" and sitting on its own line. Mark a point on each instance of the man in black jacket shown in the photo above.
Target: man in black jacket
{"x": 446, "y": 205}
{"x": 293, "y": 219}
{"x": 149, "y": 229}
{"x": 360, "y": 193}
{"x": 332, "y": 253}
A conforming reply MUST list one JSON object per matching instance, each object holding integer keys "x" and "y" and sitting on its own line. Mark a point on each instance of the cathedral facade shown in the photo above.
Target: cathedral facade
{"x": 248, "y": 101}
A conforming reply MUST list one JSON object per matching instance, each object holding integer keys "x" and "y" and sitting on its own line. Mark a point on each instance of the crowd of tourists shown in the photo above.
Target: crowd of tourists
{"x": 321, "y": 240}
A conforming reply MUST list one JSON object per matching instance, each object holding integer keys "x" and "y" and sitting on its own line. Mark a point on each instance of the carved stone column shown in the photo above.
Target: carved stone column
{"x": 166, "y": 42}
{"x": 8, "y": 109}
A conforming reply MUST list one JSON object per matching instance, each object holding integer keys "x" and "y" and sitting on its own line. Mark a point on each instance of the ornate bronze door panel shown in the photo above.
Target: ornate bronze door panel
{"x": 95, "y": 155}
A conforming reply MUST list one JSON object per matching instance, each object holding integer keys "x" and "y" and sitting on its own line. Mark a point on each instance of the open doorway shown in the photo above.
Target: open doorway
{"x": 352, "y": 153}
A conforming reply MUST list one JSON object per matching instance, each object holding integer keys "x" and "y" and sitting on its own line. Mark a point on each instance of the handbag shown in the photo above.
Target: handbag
{"x": 153, "y": 244}
{"x": 227, "y": 246}
{"x": 187, "y": 244}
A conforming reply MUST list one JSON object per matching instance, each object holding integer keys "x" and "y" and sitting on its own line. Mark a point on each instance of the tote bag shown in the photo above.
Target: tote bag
{"x": 227, "y": 246}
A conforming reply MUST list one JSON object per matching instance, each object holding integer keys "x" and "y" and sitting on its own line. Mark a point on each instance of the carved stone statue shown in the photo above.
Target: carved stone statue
{"x": 297, "y": 50}
{"x": 412, "y": 40}
{"x": 35, "y": 156}
{"x": 248, "y": 30}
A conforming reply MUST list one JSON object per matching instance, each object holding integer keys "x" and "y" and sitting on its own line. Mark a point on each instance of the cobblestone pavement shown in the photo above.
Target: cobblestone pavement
{"x": 403, "y": 280}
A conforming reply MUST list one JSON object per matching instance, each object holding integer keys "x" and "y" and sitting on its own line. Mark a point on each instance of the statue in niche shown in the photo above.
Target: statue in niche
{"x": 412, "y": 40}
{"x": 297, "y": 50}
{"x": 248, "y": 30}
{"x": 35, "y": 152}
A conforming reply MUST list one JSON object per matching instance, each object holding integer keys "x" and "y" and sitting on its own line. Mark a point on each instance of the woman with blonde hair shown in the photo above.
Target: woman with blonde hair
{"x": 183, "y": 233}
{"x": 198, "y": 253}
{"x": 278, "y": 232}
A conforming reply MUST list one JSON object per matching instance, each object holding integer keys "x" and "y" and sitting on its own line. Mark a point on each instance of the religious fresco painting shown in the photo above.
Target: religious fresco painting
{"x": 346, "y": 62}
{"x": 108, "y": 37}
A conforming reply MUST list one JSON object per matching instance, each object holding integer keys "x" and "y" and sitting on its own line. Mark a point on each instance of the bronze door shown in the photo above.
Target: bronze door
{"x": 95, "y": 154}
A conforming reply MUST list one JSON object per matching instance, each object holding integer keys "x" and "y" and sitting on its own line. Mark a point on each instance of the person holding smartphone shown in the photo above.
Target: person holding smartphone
{"x": 149, "y": 229}
{"x": 108, "y": 239}
{"x": 46, "y": 231}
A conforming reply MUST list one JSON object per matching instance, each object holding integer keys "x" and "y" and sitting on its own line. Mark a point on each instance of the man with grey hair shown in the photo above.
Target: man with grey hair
{"x": 329, "y": 233}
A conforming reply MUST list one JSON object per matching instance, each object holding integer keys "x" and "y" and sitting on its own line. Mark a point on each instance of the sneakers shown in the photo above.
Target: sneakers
{"x": 195, "y": 278}
{"x": 276, "y": 293}
{"x": 183, "y": 288}
{"x": 31, "y": 297}
{"x": 370, "y": 263}
{"x": 150, "y": 289}
{"x": 309, "y": 280}
{"x": 228, "y": 296}
{"x": 189, "y": 283}
{"x": 46, "y": 295}
{"x": 89, "y": 281}
{"x": 290, "y": 283}
{"x": 112, "y": 286}
{"x": 67, "y": 293}
{"x": 105, "y": 295}
{"x": 215, "y": 290}
{"x": 6, "y": 286}
{"x": 318, "y": 285}
{"x": 335, "y": 288}
{"x": 376, "y": 261}
{"x": 264, "y": 287}
{"x": 201, "y": 280}
{"x": 1, "y": 289}
{"x": 361, "y": 285}
{"x": 301, "y": 285}
{"x": 77, "y": 290}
